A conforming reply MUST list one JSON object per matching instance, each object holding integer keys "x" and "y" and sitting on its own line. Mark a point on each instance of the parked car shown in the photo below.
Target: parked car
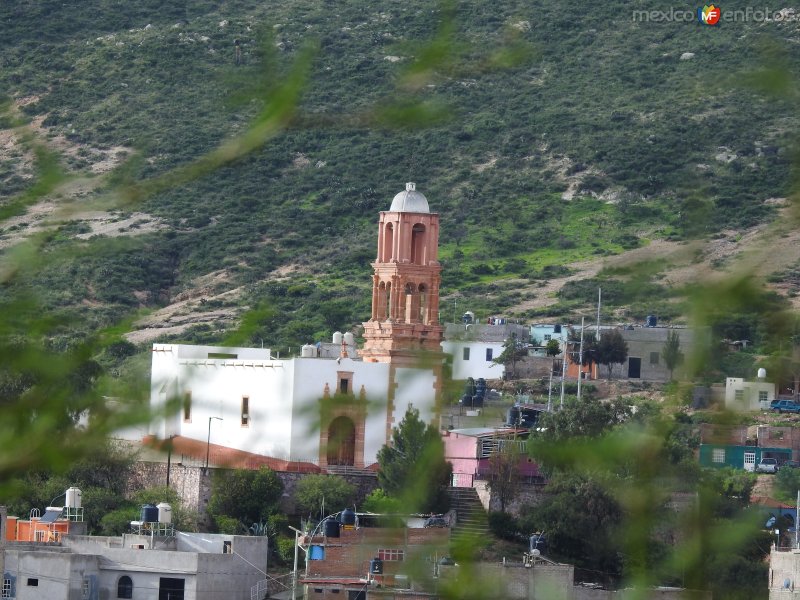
{"x": 767, "y": 465}
{"x": 782, "y": 406}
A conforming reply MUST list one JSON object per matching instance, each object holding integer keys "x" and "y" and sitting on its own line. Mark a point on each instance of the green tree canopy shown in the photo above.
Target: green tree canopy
{"x": 553, "y": 348}
{"x": 246, "y": 495}
{"x": 611, "y": 350}
{"x": 314, "y": 491}
{"x": 584, "y": 418}
{"x": 671, "y": 352}
{"x": 413, "y": 467}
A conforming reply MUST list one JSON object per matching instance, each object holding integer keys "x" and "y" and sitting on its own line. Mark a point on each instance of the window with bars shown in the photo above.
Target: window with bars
{"x": 6, "y": 588}
{"x": 738, "y": 395}
{"x": 718, "y": 456}
{"x": 762, "y": 396}
{"x": 85, "y": 589}
{"x": 390, "y": 554}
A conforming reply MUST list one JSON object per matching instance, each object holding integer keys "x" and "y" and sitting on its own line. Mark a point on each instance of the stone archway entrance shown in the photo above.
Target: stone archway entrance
{"x": 341, "y": 449}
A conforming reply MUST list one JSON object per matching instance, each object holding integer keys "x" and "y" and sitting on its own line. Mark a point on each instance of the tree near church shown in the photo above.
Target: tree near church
{"x": 245, "y": 495}
{"x": 553, "y": 348}
{"x": 314, "y": 492}
{"x": 412, "y": 468}
{"x": 671, "y": 352}
{"x": 611, "y": 350}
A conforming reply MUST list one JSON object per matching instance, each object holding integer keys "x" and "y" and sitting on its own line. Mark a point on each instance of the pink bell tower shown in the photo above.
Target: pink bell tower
{"x": 405, "y": 286}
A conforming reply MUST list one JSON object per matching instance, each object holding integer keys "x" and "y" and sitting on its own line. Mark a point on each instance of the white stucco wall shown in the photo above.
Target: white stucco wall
{"x": 477, "y": 365}
{"x": 284, "y": 397}
{"x": 750, "y": 392}
{"x": 784, "y": 575}
{"x": 310, "y": 377}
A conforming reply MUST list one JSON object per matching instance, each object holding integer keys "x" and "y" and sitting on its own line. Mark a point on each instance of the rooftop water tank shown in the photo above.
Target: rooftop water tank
{"x": 308, "y": 351}
{"x": 73, "y": 499}
{"x": 337, "y": 337}
{"x": 651, "y": 321}
{"x": 376, "y": 566}
{"x": 762, "y": 373}
{"x": 347, "y": 517}
{"x": 149, "y": 513}
{"x": 349, "y": 339}
{"x": 164, "y": 512}
{"x": 331, "y": 528}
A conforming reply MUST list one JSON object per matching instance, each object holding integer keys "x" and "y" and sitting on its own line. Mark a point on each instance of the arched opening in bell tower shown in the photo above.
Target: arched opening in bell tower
{"x": 418, "y": 244}
{"x": 423, "y": 304}
{"x": 388, "y": 243}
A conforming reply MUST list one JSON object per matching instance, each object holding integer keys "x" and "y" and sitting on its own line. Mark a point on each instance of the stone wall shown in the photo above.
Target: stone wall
{"x": 528, "y": 495}
{"x": 194, "y": 487}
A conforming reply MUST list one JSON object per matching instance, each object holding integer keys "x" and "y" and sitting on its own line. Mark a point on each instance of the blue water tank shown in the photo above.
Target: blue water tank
{"x": 331, "y": 528}
{"x": 347, "y": 517}
{"x": 149, "y": 513}
{"x": 376, "y": 566}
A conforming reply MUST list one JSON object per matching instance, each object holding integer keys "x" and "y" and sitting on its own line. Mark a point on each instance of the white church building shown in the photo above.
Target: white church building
{"x": 320, "y": 409}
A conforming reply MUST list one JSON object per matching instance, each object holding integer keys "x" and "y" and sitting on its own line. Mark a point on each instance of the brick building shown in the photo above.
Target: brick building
{"x": 341, "y": 566}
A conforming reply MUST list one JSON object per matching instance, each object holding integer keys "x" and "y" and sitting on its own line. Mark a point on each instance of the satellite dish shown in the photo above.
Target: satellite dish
{"x": 770, "y": 522}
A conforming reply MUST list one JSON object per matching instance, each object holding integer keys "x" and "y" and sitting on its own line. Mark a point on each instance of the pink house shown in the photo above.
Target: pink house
{"x": 469, "y": 451}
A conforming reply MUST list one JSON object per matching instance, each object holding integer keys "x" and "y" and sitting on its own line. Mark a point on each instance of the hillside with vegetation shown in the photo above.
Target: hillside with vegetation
{"x": 556, "y": 141}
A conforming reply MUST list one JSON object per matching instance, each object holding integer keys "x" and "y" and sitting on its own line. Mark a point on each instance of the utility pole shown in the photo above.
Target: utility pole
{"x": 563, "y": 377}
{"x": 550, "y": 390}
{"x": 580, "y": 360}
{"x": 599, "y": 296}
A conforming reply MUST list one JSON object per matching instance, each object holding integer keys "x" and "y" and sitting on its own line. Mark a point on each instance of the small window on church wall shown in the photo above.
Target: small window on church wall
{"x": 466, "y": 354}
{"x": 344, "y": 386}
{"x": 187, "y": 407}
{"x": 245, "y": 411}
{"x": 489, "y": 354}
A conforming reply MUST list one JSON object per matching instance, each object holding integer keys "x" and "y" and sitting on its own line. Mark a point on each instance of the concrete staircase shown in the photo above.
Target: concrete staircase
{"x": 471, "y": 520}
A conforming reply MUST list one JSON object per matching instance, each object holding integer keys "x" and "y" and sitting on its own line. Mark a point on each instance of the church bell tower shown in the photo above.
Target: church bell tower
{"x": 404, "y": 324}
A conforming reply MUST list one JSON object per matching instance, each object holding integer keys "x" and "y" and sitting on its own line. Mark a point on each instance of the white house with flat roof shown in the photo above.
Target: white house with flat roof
{"x": 189, "y": 566}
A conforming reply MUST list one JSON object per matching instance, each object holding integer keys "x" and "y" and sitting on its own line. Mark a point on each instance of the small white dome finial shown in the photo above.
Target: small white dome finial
{"x": 411, "y": 186}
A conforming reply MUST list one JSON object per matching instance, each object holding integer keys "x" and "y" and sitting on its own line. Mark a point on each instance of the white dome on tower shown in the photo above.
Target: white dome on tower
{"x": 410, "y": 200}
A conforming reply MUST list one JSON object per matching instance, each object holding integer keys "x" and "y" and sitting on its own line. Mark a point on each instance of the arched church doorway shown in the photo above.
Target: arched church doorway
{"x": 342, "y": 442}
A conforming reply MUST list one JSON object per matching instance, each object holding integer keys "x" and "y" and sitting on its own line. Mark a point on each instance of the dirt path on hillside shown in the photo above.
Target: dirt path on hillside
{"x": 762, "y": 250}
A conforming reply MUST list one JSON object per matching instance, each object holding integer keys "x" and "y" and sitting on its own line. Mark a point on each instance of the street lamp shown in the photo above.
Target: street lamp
{"x": 208, "y": 442}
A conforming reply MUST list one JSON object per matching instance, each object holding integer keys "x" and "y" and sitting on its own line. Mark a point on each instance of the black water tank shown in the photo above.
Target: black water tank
{"x": 331, "y": 528}
{"x": 149, "y": 513}
{"x": 376, "y": 566}
{"x": 347, "y": 517}
{"x": 651, "y": 321}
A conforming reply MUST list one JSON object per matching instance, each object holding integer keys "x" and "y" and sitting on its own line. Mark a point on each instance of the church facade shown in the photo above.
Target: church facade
{"x": 320, "y": 410}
